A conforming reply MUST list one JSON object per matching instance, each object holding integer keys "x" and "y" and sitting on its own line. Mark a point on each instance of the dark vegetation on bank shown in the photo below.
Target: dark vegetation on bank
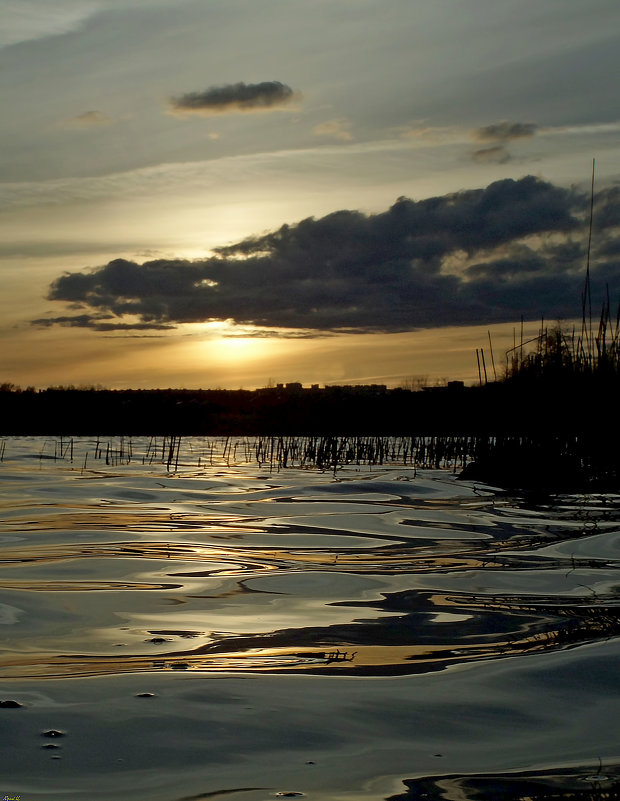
{"x": 290, "y": 410}
{"x": 551, "y": 420}
{"x": 524, "y": 405}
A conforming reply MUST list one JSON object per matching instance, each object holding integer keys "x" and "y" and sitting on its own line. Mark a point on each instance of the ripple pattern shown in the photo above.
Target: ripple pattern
{"x": 218, "y": 565}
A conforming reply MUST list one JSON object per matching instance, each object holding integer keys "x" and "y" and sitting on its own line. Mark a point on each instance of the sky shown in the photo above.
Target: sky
{"x": 228, "y": 193}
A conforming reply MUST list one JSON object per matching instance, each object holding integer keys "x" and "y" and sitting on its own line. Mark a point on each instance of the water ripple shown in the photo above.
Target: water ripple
{"x": 376, "y": 571}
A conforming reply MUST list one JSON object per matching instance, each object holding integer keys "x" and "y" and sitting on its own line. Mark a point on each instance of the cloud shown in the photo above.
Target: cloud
{"x": 27, "y": 20}
{"x": 237, "y": 97}
{"x": 505, "y": 131}
{"x": 432, "y": 134}
{"x": 77, "y": 321}
{"x": 89, "y": 118}
{"x": 96, "y": 322}
{"x": 492, "y": 155}
{"x": 500, "y": 133}
{"x": 336, "y": 129}
{"x": 519, "y": 244}
{"x": 279, "y": 333}
{"x": 592, "y": 128}
{"x": 178, "y": 178}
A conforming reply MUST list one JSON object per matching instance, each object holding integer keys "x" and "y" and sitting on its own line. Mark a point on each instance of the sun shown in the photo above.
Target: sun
{"x": 238, "y": 348}
{"x": 227, "y": 343}
{"x": 232, "y": 348}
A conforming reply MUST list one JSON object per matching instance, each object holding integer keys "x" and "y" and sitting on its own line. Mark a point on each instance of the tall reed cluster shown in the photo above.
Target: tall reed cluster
{"x": 589, "y": 351}
{"x": 553, "y": 462}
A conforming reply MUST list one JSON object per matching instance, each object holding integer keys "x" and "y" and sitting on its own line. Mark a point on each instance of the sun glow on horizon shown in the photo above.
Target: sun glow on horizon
{"x": 224, "y": 344}
{"x": 239, "y": 349}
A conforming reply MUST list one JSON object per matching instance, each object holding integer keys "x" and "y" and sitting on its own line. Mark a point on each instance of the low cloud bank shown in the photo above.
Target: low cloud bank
{"x": 516, "y": 247}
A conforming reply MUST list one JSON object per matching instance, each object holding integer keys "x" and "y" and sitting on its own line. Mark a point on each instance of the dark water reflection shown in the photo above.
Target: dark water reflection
{"x": 578, "y": 784}
{"x": 216, "y": 573}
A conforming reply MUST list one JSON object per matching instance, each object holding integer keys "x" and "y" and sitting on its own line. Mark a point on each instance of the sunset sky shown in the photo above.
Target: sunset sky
{"x": 219, "y": 193}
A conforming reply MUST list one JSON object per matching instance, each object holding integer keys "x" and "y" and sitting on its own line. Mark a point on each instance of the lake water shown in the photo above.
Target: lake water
{"x": 191, "y": 625}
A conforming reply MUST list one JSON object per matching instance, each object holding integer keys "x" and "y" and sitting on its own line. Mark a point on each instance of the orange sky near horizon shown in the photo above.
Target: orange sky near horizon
{"x": 199, "y": 361}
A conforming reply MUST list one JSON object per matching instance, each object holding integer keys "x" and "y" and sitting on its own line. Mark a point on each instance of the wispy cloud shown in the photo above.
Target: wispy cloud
{"x": 494, "y": 155}
{"x": 29, "y": 20}
{"x": 498, "y": 135}
{"x": 99, "y": 323}
{"x": 26, "y": 20}
{"x": 593, "y": 129}
{"x": 433, "y": 134}
{"x": 192, "y": 176}
{"x": 505, "y": 131}
{"x": 277, "y": 333}
{"x": 335, "y": 129}
{"x": 167, "y": 177}
{"x": 89, "y": 119}
{"x": 235, "y": 97}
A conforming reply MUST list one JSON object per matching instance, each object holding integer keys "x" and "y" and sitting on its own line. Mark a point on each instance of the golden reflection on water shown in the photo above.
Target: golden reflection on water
{"x": 242, "y": 559}
{"x": 358, "y": 659}
{"x": 81, "y": 586}
{"x": 363, "y": 574}
{"x": 49, "y": 519}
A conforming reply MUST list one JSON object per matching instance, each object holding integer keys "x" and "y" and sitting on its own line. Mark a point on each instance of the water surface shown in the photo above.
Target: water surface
{"x": 194, "y": 625}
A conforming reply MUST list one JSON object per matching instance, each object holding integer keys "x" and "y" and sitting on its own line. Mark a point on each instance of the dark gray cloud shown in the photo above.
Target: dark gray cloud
{"x": 505, "y": 131}
{"x": 606, "y": 206}
{"x": 498, "y": 135}
{"x": 520, "y": 245}
{"x": 96, "y": 322}
{"x": 265, "y": 96}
